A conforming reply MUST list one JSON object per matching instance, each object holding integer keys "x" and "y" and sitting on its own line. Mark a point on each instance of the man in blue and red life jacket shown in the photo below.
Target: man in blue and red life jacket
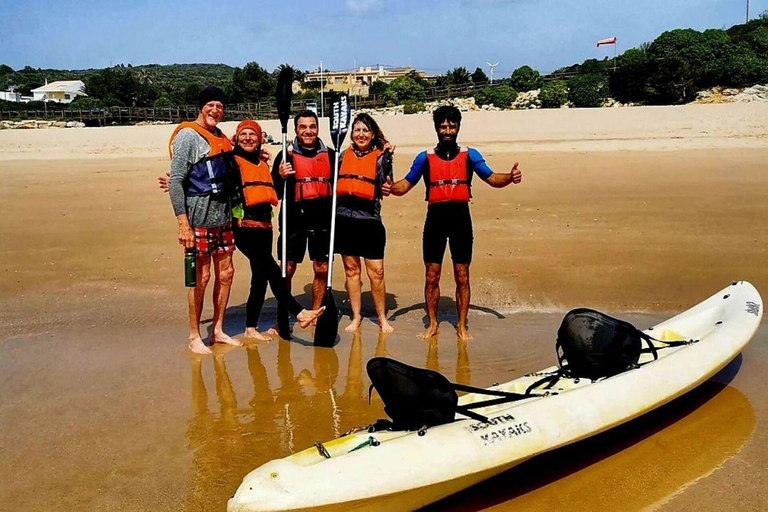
{"x": 447, "y": 170}
{"x": 309, "y": 175}
{"x": 198, "y": 185}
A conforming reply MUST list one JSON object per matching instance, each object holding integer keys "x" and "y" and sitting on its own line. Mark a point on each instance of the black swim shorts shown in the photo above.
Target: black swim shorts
{"x": 448, "y": 222}
{"x": 365, "y": 238}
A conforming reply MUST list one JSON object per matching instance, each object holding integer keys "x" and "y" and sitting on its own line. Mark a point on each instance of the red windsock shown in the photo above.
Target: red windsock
{"x": 610, "y": 40}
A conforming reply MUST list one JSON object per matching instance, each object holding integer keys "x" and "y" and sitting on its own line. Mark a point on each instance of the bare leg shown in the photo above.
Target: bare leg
{"x": 224, "y": 272}
{"x": 461, "y": 276}
{"x": 375, "y": 269}
{"x": 319, "y": 282}
{"x": 354, "y": 290}
{"x": 431, "y": 297}
{"x": 290, "y": 270}
{"x": 195, "y": 298}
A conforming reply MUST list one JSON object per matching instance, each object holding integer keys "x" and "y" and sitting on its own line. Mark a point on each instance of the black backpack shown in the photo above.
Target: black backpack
{"x": 416, "y": 397}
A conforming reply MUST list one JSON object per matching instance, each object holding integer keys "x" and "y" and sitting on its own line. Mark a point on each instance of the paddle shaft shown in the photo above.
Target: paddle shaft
{"x": 333, "y": 215}
{"x": 284, "y": 211}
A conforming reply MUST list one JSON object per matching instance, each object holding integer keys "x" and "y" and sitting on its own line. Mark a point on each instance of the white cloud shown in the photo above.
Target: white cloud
{"x": 363, "y": 5}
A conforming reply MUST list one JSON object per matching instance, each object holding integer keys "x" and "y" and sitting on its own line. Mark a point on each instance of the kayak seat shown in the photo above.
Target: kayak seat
{"x": 593, "y": 345}
{"x": 415, "y": 398}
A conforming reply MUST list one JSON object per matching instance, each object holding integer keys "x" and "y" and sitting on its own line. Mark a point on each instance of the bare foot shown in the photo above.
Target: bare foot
{"x": 429, "y": 333}
{"x": 221, "y": 337}
{"x": 385, "y": 326}
{"x": 253, "y": 333}
{"x": 197, "y": 346}
{"x": 354, "y": 325}
{"x": 309, "y": 316}
{"x": 463, "y": 334}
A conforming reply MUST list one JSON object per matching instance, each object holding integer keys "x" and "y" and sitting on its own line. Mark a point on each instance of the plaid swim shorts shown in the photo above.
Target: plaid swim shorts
{"x": 214, "y": 240}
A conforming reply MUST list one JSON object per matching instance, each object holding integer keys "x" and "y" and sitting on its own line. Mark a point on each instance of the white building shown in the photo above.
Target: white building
{"x": 10, "y": 96}
{"x": 63, "y": 91}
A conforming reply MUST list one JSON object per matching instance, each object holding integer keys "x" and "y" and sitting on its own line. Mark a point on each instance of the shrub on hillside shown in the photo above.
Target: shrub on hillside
{"x": 413, "y": 107}
{"x": 525, "y": 78}
{"x": 554, "y": 94}
{"x": 404, "y": 89}
{"x": 500, "y": 96}
{"x": 587, "y": 90}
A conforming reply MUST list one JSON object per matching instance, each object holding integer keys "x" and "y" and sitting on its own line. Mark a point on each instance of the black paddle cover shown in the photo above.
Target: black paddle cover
{"x": 283, "y": 96}
{"x": 327, "y": 328}
{"x": 340, "y": 115}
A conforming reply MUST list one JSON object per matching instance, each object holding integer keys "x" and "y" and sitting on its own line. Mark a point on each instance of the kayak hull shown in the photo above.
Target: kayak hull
{"x": 406, "y": 471}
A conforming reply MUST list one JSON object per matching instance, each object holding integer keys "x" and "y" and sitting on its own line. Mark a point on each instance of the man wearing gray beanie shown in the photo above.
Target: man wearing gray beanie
{"x": 201, "y": 160}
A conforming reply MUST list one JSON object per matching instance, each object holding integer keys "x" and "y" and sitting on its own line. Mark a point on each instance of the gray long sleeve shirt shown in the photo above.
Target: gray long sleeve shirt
{"x": 202, "y": 211}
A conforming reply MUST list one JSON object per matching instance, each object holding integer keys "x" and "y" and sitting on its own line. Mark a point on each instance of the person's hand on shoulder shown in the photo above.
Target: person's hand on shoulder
{"x": 389, "y": 148}
{"x": 162, "y": 182}
{"x": 265, "y": 155}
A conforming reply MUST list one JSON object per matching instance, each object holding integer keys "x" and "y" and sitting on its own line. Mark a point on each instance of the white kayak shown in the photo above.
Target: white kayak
{"x": 405, "y": 471}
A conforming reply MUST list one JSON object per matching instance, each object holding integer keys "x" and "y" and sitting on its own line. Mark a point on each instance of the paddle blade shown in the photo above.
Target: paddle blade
{"x": 340, "y": 115}
{"x": 283, "y": 95}
{"x": 283, "y": 323}
{"x": 327, "y": 328}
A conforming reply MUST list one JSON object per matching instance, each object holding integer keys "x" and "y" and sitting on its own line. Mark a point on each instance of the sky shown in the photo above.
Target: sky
{"x": 432, "y": 35}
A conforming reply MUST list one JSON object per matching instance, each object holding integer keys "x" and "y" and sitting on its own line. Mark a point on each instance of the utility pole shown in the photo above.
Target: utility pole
{"x": 322, "y": 97}
{"x": 747, "y": 11}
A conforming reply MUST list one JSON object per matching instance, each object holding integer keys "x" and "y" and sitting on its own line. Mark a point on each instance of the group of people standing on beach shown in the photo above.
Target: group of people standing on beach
{"x": 223, "y": 192}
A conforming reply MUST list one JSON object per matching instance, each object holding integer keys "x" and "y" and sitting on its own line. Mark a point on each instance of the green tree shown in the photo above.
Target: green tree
{"x": 553, "y": 94}
{"x": 115, "y": 86}
{"x": 250, "y": 84}
{"x": 378, "y": 88}
{"x": 629, "y": 83}
{"x": 525, "y": 78}
{"x": 479, "y": 77}
{"x": 5, "y": 70}
{"x": 593, "y": 67}
{"x": 404, "y": 89}
{"x": 587, "y": 90}
{"x": 457, "y": 76}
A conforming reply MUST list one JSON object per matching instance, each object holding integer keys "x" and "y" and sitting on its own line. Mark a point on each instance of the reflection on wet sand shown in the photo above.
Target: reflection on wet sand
{"x": 303, "y": 408}
{"x": 638, "y": 466}
{"x": 463, "y": 373}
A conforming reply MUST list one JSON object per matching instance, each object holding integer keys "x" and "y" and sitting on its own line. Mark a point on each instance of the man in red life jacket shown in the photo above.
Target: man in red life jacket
{"x": 198, "y": 186}
{"x": 447, "y": 170}
{"x": 308, "y": 172}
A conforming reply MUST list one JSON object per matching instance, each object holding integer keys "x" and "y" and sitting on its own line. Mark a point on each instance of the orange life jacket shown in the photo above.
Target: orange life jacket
{"x": 313, "y": 175}
{"x": 448, "y": 179}
{"x": 357, "y": 176}
{"x": 208, "y": 176}
{"x": 219, "y": 144}
{"x": 257, "y": 182}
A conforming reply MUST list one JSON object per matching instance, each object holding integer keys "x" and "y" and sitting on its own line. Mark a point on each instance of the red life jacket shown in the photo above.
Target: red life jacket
{"x": 208, "y": 176}
{"x": 257, "y": 182}
{"x": 448, "y": 179}
{"x": 313, "y": 175}
{"x": 357, "y": 176}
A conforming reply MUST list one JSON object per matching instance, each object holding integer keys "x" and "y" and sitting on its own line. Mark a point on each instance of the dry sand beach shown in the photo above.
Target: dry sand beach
{"x": 640, "y": 212}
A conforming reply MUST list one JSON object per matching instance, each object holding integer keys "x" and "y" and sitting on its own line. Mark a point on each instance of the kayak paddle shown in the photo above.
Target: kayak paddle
{"x": 283, "y": 100}
{"x": 327, "y": 327}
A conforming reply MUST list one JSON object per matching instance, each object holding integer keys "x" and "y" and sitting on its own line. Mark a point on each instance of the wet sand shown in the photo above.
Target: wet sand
{"x": 102, "y": 408}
